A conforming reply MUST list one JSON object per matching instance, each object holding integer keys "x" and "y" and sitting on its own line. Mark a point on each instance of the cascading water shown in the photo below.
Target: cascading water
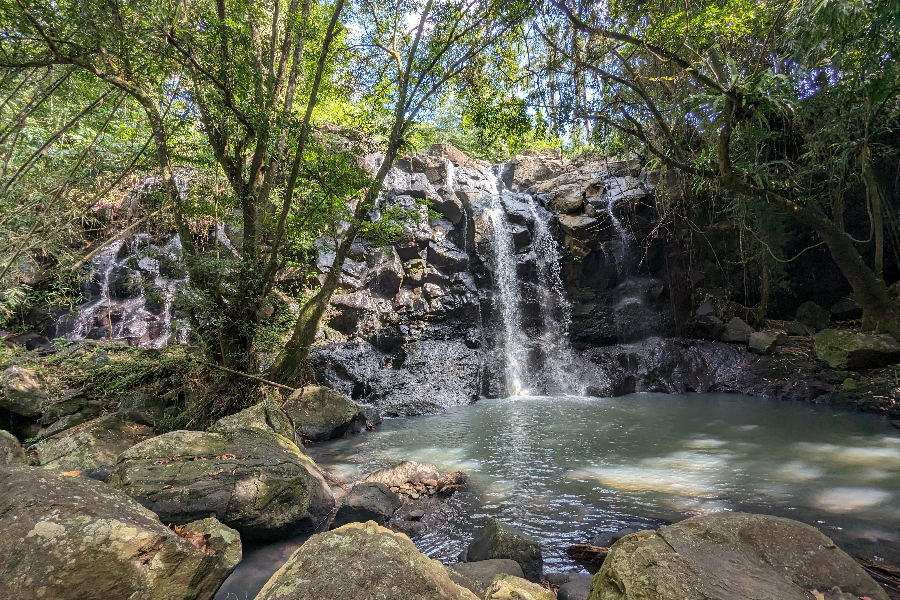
{"x": 552, "y": 337}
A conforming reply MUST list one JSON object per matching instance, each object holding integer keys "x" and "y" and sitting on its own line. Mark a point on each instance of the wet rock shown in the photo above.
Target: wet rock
{"x": 360, "y": 561}
{"x": 817, "y": 317}
{"x": 433, "y": 290}
{"x": 320, "y": 413}
{"x": 447, "y": 257}
{"x": 70, "y": 538}
{"x": 91, "y": 445}
{"x": 22, "y": 392}
{"x": 499, "y": 540}
{"x": 124, "y": 283}
{"x": 579, "y": 227}
{"x": 70, "y": 401}
{"x": 729, "y": 555}
{"x": 449, "y": 205}
{"x": 266, "y": 415}
{"x": 143, "y": 407}
{"x": 253, "y": 480}
{"x": 567, "y": 198}
{"x": 736, "y": 331}
{"x": 370, "y": 501}
{"x": 765, "y": 342}
{"x": 11, "y": 452}
{"x": 708, "y": 327}
{"x": 402, "y": 473}
{"x": 385, "y": 273}
{"x": 509, "y": 587}
{"x": 624, "y": 188}
{"x": 532, "y": 166}
{"x": 415, "y": 515}
{"x": 843, "y": 349}
{"x": 846, "y": 310}
{"x": 578, "y": 587}
{"x": 477, "y": 576}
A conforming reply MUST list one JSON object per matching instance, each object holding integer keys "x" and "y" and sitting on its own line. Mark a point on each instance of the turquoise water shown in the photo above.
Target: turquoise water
{"x": 565, "y": 469}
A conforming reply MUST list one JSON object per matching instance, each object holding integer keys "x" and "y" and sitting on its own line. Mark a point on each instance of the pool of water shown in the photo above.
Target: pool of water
{"x": 565, "y": 469}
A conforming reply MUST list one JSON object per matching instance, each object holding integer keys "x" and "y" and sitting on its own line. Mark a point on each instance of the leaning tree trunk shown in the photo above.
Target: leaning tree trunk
{"x": 881, "y": 313}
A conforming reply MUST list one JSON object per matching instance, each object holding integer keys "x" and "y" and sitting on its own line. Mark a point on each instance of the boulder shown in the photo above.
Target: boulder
{"x": 531, "y": 167}
{"x": 449, "y": 205}
{"x": 736, "y": 330}
{"x": 385, "y": 273}
{"x": 253, "y": 480}
{"x": 91, "y": 445}
{"x": 708, "y": 327}
{"x": 499, "y": 540}
{"x": 729, "y": 556}
{"x": 579, "y": 227}
{"x": 320, "y": 413}
{"x": 509, "y": 587}
{"x": 404, "y": 472}
{"x": 361, "y": 561}
{"x": 22, "y": 392}
{"x": 371, "y": 501}
{"x": 71, "y": 538}
{"x": 578, "y": 587}
{"x": 66, "y": 422}
{"x": 266, "y": 415}
{"x": 843, "y": 349}
{"x": 765, "y": 342}
{"x": 801, "y": 329}
{"x": 567, "y": 198}
{"x": 70, "y": 402}
{"x": 143, "y": 407}
{"x": 11, "y": 452}
{"x": 477, "y": 576}
{"x": 450, "y": 152}
{"x": 447, "y": 257}
{"x": 845, "y": 310}
{"x": 817, "y": 317}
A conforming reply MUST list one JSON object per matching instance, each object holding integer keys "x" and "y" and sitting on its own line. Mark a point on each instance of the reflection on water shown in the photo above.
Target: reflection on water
{"x": 565, "y": 469}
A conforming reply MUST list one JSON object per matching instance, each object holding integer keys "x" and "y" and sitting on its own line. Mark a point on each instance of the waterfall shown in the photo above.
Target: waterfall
{"x": 513, "y": 340}
{"x": 515, "y": 343}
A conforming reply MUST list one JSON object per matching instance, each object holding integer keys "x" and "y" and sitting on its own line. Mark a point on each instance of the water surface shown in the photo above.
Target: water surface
{"x": 566, "y": 469}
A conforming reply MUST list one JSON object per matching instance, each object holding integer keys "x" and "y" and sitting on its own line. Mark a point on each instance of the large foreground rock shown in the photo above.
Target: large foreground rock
{"x": 729, "y": 556}
{"x": 477, "y": 576}
{"x": 254, "y": 480}
{"x": 11, "y": 452}
{"x": 843, "y": 349}
{"x": 499, "y": 540}
{"x": 361, "y": 561}
{"x": 320, "y": 413}
{"x": 71, "y": 538}
{"x": 22, "y": 392}
{"x": 91, "y": 445}
{"x": 508, "y": 587}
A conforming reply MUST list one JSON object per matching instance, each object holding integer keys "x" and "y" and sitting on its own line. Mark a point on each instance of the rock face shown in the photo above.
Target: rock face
{"x": 361, "y": 561}
{"x": 477, "y": 576}
{"x": 22, "y": 392}
{"x": 729, "y": 556}
{"x": 509, "y": 587}
{"x": 11, "y": 452}
{"x": 91, "y": 445}
{"x": 320, "y": 413}
{"x": 499, "y": 540}
{"x": 70, "y": 538}
{"x": 253, "y": 480}
{"x": 367, "y": 502}
{"x": 850, "y": 350}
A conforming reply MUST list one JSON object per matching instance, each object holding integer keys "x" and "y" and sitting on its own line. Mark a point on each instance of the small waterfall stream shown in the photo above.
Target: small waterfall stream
{"x": 516, "y": 344}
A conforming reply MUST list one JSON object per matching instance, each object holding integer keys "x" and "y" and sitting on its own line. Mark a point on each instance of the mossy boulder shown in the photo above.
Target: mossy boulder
{"x": 729, "y": 556}
{"x": 91, "y": 445}
{"x": 71, "y": 538}
{"x": 11, "y": 452}
{"x": 817, "y": 317}
{"x": 477, "y": 576}
{"x": 320, "y": 413}
{"x": 843, "y": 349}
{"x": 499, "y": 540}
{"x": 253, "y": 480}
{"x": 509, "y": 587}
{"x": 371, "y": 501}
{"x": 266, "y": 415}
{"x": 22, "y": 392}
{"x": 361, "y": 561}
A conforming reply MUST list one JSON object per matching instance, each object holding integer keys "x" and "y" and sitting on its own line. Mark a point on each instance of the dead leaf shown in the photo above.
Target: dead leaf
{"x": 817, "y": 594}
{"x": 197, "y": 539}
{"x": 641, "y": 538}
{"x": 219, "y": 472}
{"x": 72, "y": 473}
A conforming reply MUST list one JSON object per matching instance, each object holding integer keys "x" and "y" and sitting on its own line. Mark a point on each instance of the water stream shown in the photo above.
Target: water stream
{"x": 565, "y": 469}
